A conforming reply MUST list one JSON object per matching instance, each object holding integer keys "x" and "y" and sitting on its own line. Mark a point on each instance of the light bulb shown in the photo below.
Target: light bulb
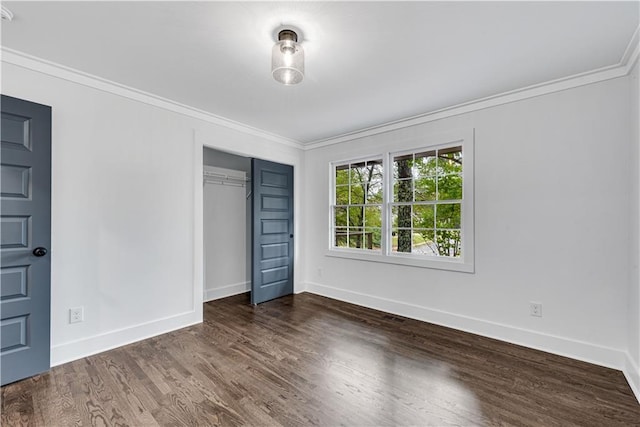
{"x": 288, "y": 47}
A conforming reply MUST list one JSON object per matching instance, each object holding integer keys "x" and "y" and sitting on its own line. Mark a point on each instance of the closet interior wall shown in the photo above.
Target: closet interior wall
{"x": 226, "y": 205}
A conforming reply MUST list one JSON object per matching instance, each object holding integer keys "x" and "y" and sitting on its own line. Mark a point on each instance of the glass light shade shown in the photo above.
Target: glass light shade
{"x": 287, "y": 62}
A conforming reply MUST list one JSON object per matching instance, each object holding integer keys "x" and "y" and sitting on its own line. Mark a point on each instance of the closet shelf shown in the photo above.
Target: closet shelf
{"x": 224, "y": 179}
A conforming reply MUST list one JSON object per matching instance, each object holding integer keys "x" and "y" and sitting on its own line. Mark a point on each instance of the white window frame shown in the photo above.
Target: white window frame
{"x": 466, "y": 262}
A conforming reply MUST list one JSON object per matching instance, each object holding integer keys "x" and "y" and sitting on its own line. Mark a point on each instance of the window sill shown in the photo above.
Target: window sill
{"x": 409, "y": 260}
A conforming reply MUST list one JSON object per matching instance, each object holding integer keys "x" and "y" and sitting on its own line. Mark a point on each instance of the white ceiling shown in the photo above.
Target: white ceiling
{"x": 367, "y": 63}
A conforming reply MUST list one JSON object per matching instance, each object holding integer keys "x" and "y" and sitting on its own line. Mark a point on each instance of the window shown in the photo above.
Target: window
{"x": 427, "y": 202}
{"x": 357, "y": 208}
{"x": 412, "y": 207}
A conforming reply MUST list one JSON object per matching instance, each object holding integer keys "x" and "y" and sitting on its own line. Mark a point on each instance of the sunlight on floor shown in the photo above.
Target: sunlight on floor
{"x": 370, "y": 378}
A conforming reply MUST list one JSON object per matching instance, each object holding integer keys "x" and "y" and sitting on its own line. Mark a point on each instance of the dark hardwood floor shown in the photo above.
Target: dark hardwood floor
{"x": 309, "y": 360}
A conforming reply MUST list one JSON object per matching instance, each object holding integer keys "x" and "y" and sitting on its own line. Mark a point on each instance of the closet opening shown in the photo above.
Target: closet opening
{"x": 227, "y": 224}
{"x": 248, "y": 241}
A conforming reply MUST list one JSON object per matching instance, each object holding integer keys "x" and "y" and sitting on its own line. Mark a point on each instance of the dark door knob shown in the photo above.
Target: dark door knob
{"x": 40, "y": 251}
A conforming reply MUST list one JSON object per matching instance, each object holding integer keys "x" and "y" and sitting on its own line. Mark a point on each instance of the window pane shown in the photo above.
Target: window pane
{"x": 448, "y": 215}
{"x": 401, "y": 241}
{"x": 373, "y": 238}
{"x": 356, "y": 238}
{"x": 373, "y": 216}
{"x": 358, "y": 171}
{"x": 450, "y": 187}
{"x": 374, "y": 192}
{"x": 340, "y": 217}
{"x": 450, "y": 161}
{"x": 423, "y": 216}
{"x": 340, "y": 237}
{"x": 342, "y": 175}
{"x": 355, "y": 216}
{"x": 404, "y": 240}
{"x": 425, "y": 164}
{"x": 357, "y": 193}
{"x": 375, "y": 170}
{"x": 425, "y": 189}
{"x": 403, "y": 190}
{"x": 401, "y": 216}
{"x": 403, "y": 166}
{"x": 342, "y": 195}
{"x": 424, "y": 242}
{"x": 448, "y": 243}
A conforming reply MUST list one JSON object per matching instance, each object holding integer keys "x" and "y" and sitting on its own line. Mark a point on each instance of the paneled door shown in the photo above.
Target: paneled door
{"x": 272, "y": 230}
{"x": 25, "y": 211}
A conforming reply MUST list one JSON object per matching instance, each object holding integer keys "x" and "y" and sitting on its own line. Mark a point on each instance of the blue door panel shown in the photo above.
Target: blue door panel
{"x": 272, "y": 230}
{"x": 25, "y": 224}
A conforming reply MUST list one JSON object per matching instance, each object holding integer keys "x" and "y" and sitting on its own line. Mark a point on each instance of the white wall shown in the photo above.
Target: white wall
{"x": 126, "y": 210}
{"x": 225, "y": 237}
{"x": 551, "y": 220}
{"x": 633, "y": 363}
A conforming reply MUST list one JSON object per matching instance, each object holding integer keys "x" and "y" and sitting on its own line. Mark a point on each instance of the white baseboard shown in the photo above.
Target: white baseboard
{"x": 226, "y": 291}
{"x": 587, "y": 352}
{"x": 632, "y": 374}
{"x": 74, "y": 350}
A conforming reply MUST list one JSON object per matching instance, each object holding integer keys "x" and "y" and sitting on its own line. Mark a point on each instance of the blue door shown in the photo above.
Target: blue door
{"x": 272, "y": 234}
{"x": 25, "y": 205}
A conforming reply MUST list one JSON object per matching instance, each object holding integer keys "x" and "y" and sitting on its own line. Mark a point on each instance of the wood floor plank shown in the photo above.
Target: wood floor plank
{"x": 307, "y": 360}
{"x": 17, "y": 407}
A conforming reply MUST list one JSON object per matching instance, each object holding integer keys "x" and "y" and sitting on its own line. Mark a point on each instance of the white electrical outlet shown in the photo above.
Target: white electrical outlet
{"x": 535, "y": 309}
{"x": 76, "y": 315}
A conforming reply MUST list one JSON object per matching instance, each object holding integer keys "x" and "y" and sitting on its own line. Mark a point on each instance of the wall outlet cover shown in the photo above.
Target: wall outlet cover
{"x": 76, "y": 315}
{"x": 535, "y": 309}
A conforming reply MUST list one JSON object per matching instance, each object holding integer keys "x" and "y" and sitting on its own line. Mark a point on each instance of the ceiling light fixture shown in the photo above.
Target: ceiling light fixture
{"x": 287, "y": 58}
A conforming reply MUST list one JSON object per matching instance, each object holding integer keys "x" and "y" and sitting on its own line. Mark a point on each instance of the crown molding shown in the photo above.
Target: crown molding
{"x": 53, "y": 69}
{"x": 631, "y": 53}
{"x": 6, "y": 14}
{"x": 577, "y": 80}
{"x": 621, "y": 69}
